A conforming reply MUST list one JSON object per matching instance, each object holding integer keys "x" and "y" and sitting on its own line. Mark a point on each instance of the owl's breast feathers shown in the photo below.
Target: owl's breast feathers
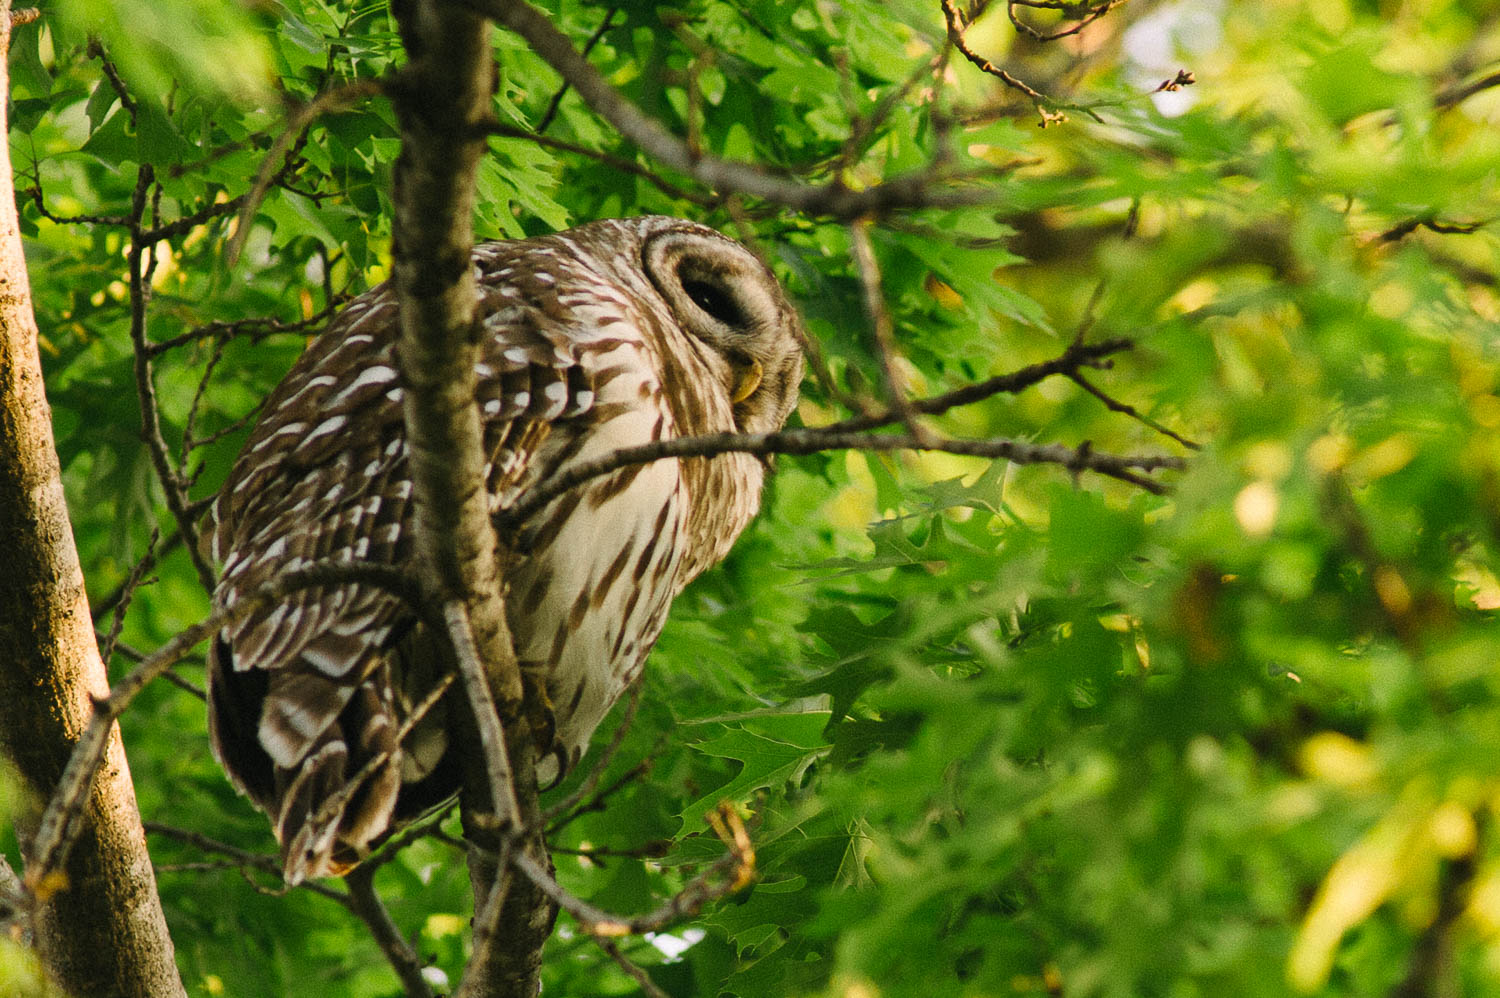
{"x": 310, "y": 698}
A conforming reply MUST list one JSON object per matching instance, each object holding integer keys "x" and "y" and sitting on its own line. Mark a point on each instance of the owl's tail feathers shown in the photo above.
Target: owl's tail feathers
{"x": 316, "y": 748}
{"x": 340, "y": 797}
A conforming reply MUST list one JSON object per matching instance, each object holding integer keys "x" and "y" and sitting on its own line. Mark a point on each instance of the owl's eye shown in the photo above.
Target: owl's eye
{"x": 715, "y": 300}
{"x": 717, "y": 290}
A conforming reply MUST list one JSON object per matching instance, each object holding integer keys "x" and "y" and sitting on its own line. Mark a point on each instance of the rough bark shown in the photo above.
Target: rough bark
{"x": 443, "y": 103}
{"x": 99, "y": 929}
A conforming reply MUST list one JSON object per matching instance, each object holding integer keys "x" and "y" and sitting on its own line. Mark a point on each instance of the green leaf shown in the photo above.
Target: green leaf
{"x": 772, "y": 750}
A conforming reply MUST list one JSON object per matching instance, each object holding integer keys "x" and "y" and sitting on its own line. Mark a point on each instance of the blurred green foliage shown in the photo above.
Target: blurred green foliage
{"x": 995, "y": 732}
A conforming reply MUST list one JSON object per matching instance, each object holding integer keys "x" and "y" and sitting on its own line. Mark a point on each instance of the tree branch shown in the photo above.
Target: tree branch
{"x": 613, "y": 951}
{"x": 366, "y": 903}
{"x": 1125, "y": 467}
{"x": 954, "y": 21}
{"x": 242, "y": 859}
{"x": 913, "y": 190}
{"x": 140, "y": 261}
{"x": 738, "y": 864}
{"x": 443, "y": 100}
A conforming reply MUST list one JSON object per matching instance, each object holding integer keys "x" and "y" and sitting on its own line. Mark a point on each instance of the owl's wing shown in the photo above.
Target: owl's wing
{"x": 307, "y": 692}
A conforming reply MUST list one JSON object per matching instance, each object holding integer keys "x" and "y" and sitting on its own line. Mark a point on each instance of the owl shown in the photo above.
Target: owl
{"x": 609, "y": 335}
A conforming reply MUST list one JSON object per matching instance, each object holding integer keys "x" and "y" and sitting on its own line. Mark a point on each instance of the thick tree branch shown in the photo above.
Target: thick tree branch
{"x": 443, "y": 106}
{"x": 97, "y": 920}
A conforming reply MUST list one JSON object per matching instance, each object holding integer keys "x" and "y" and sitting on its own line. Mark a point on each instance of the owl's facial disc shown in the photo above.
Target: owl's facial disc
{"x": 724, "y": 297}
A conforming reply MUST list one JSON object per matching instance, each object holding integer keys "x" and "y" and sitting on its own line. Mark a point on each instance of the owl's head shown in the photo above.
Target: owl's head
{"x": 723, "y": 296}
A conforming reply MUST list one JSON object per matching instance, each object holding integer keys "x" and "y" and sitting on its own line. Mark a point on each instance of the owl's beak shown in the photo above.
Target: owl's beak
{"x": 746, "y": 380}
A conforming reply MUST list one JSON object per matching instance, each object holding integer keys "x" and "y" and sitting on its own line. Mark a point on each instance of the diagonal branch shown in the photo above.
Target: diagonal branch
{"x": 919, "y": 189}
{"x": 366, "y": 903}
{"x": 731, "y": 872}
{"x": 613, "y": 951}
{"x": 1078, "y": 355}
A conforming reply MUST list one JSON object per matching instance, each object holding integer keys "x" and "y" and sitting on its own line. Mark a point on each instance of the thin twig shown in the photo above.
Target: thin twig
{"x": 613, "y": 162}
{"x": 337, "y": 99}
{"x": 605, "y": 758}
{"x": 140, "y": 263}
{"x": 188, "y": 440}
{"x": 612, "y": 949}
{"x": 923, "y": 188}
{"x": 956, "y": 38}
{"x": 597, "y": 801}
{"x": 365, "y": 902}
{"x": 1087, "y": 13}
{"x": 710, "y": 885}
{"x": 187, "y": 223}
{"x": 588, "y": 46}
{"x": 1078, "y": 355}
{"x": 425, "y": 827}
{"x": 108, "y": 602}
{"x": 127, "y": 592}
{"x": 116, "y": 82}
{"x": 882, "y": 333}
{"x": 232, "y": 427}
{"x": 35, "y": 193}
{"x": 257, "y": 328}
{"x": 1432, "y": 224}
{"x": 1126, "y": 409}
{"x": 242, "y": 859}
{"x": 1453, "y": 96}
{"x": 136, "y": 655}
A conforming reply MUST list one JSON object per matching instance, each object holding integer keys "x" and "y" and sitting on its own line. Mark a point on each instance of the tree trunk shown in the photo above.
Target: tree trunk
{"x": 99, "y": 928}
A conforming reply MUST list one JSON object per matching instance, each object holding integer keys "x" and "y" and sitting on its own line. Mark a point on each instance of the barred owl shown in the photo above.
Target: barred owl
{"x": 610, "y": 335}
